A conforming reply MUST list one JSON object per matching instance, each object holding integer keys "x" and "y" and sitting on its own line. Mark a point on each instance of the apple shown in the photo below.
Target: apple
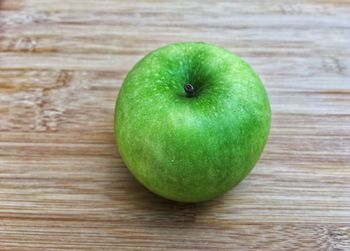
{"x": 191, "y": 121}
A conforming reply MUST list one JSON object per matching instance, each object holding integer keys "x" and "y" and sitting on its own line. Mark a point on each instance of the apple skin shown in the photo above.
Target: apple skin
{"x": 191, "y": 148}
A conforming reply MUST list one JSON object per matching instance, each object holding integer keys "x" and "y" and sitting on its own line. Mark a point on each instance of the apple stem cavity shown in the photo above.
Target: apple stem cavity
{"x": 189, "y": 90}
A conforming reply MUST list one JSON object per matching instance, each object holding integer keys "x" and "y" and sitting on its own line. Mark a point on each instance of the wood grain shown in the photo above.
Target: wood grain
{"x": 62, "y": 182}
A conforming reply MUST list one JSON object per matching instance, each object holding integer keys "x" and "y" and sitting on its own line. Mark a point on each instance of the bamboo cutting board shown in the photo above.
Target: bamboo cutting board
{"x": 62, "y": 183}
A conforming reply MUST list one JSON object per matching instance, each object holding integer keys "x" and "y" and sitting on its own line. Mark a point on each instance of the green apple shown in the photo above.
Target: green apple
{"x": 191, "y": 121}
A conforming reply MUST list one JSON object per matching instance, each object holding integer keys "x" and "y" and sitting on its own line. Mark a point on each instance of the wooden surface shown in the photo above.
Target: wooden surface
{"x": 62, "y": 184}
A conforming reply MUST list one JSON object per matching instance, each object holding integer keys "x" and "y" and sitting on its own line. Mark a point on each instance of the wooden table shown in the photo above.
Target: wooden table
{"x": 62, "y": 183}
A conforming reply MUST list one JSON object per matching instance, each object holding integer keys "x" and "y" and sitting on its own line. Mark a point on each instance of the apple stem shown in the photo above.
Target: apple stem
{"x": 189, "y": 89}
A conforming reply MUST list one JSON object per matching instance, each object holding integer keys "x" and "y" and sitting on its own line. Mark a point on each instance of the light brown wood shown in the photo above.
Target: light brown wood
{"x": 64, "y": 187}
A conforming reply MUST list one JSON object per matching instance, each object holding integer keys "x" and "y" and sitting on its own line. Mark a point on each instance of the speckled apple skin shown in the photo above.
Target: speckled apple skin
{"x": 191, "y": 149}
